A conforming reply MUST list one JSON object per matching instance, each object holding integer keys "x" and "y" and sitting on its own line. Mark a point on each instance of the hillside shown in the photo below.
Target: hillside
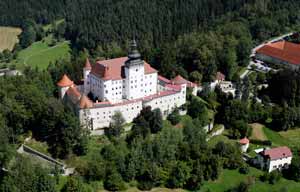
{"x": 8, "y": 37}
{"x": 40, "y": 54}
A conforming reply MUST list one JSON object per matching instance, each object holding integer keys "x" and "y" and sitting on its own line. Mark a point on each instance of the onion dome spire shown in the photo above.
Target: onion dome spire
{"x": 133, "y": 52}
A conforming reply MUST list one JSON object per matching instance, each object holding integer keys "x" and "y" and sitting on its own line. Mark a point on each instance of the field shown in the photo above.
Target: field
{"x": 8, "y": 37}
{"x": 231, "y": 178}
{"x": 292, "y": 136}
{"x": 40, "y": 54}
{"x": 257, "y": 132}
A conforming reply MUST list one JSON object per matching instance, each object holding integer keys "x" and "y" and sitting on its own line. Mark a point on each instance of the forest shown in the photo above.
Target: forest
{"x": 194, "y": 38}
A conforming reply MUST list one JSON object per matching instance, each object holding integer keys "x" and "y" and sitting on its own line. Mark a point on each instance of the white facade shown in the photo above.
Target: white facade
{"x": 227, "y": 87}
{"x": 244, "y": 147}
{"x": 277, "y": 164}
{"x": 275, "y": 159}
{"x": 124, "y": 84}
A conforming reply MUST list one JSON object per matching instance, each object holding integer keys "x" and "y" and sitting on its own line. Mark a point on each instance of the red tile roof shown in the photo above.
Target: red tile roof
{"x": 244, "y": 141}
{"x": 112, "y": 69}
{"x": 73, "y": 94}
{"x": 277, "y": 153}
{"x": 173, "y": 87}
{"x": 85, "y": 102}
{"x": 161, "y": 78}
{"x": 87, "y": 64}
{"x": 283, "y": 50}
{"x": 220, "y": 76}
{"x": 73, "y": 91}
{"x": 179, "y": 80}
{"x": 65, "y": 81}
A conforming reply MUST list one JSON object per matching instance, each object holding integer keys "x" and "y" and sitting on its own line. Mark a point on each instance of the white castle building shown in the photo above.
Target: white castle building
{"x": 125, "y": 84}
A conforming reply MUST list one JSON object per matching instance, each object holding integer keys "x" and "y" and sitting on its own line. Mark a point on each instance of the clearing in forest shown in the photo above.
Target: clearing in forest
{"x": 40, "y": 54}
{"x": 258, "y": 132}
{"x": 9, "y": 37}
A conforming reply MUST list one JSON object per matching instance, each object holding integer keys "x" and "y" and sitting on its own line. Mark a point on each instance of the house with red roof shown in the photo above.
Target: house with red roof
{"x": 244, "y": 143}
{"x": 275, "y": 159}
{"x": 125, "y": 84}
{"x": 282, "y": 52}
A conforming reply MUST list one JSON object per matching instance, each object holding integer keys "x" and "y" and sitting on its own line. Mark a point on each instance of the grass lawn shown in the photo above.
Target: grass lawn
{"x": 40, "y": 54}
{"x": 9, "y": 37}
{"x": 231, "y": 178}
{"x": 49, "y": 26}
{"x": 275, "y": 137}
{"x": 292, "y": 137}
{"x": 214, "y": 140}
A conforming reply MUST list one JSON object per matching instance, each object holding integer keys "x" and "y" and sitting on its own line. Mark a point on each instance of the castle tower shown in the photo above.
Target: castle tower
{"x": 87, "y": 68}
{"x": 86, "y": 71}
{"x": 64, "y": 84}
{"x": 134, "y": 73}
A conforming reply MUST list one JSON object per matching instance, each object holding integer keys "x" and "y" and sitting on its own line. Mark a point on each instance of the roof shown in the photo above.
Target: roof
{"x": 163, "y": 79}
{"x": 220, "y": 76}
{"x": 283, "y": 50}
{"x": 179, "y": 80}
{"x": 244, "y": 141}
{"x": 87, "y": 64}
{"x": 73, "y": 91}
{"x": 173, "y": 87}
{"x": 112, "y": 69}
{"x": 85, "y": 102}
{"x": 65, "y": 81}
{"x": 277, "y": 153}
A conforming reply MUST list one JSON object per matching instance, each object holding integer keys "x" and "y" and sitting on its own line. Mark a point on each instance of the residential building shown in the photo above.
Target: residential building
{"x": 275, "y": 159}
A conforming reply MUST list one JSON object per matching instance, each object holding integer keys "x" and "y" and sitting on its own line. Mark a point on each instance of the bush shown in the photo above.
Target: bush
{"x": 272, "y": 177}
{"x": 174, "y": 117}
{"x": 244, "y": 169}
{"x": 259, "y": 142}
{"x": 114, "y": 182}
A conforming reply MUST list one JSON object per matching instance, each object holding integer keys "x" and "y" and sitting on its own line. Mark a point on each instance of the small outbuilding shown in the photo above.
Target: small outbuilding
{"x": 244, "y": 144}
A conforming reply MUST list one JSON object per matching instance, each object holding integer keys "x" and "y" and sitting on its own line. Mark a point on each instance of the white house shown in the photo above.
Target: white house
{"x": 227, "y": 87}
{"x": 244, "y": 143}
{"x": 275, "y": 159}
{"x": 125, "y": 84}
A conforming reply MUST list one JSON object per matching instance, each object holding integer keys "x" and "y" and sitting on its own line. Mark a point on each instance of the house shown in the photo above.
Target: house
{"x": 127, "y": 85}
{"x": 225, "y": 86}
{"x": 274, "y": 159}
{"x": 220, "y": 77}
{"x": 244, "y": 143}
{"x": 281, "y": 52}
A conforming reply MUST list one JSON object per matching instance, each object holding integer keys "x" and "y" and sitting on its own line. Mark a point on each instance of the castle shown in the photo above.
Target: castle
{"x": 125, "y": 84}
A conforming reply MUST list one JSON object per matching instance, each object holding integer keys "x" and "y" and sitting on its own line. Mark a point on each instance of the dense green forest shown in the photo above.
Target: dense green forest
{"x": 194, "y": 38}
{"x": 197, "y": 36}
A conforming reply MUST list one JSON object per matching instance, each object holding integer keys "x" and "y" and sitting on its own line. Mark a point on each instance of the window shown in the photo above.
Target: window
{"x": 137, "y": 70}
{"x": 106, "y": 92}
